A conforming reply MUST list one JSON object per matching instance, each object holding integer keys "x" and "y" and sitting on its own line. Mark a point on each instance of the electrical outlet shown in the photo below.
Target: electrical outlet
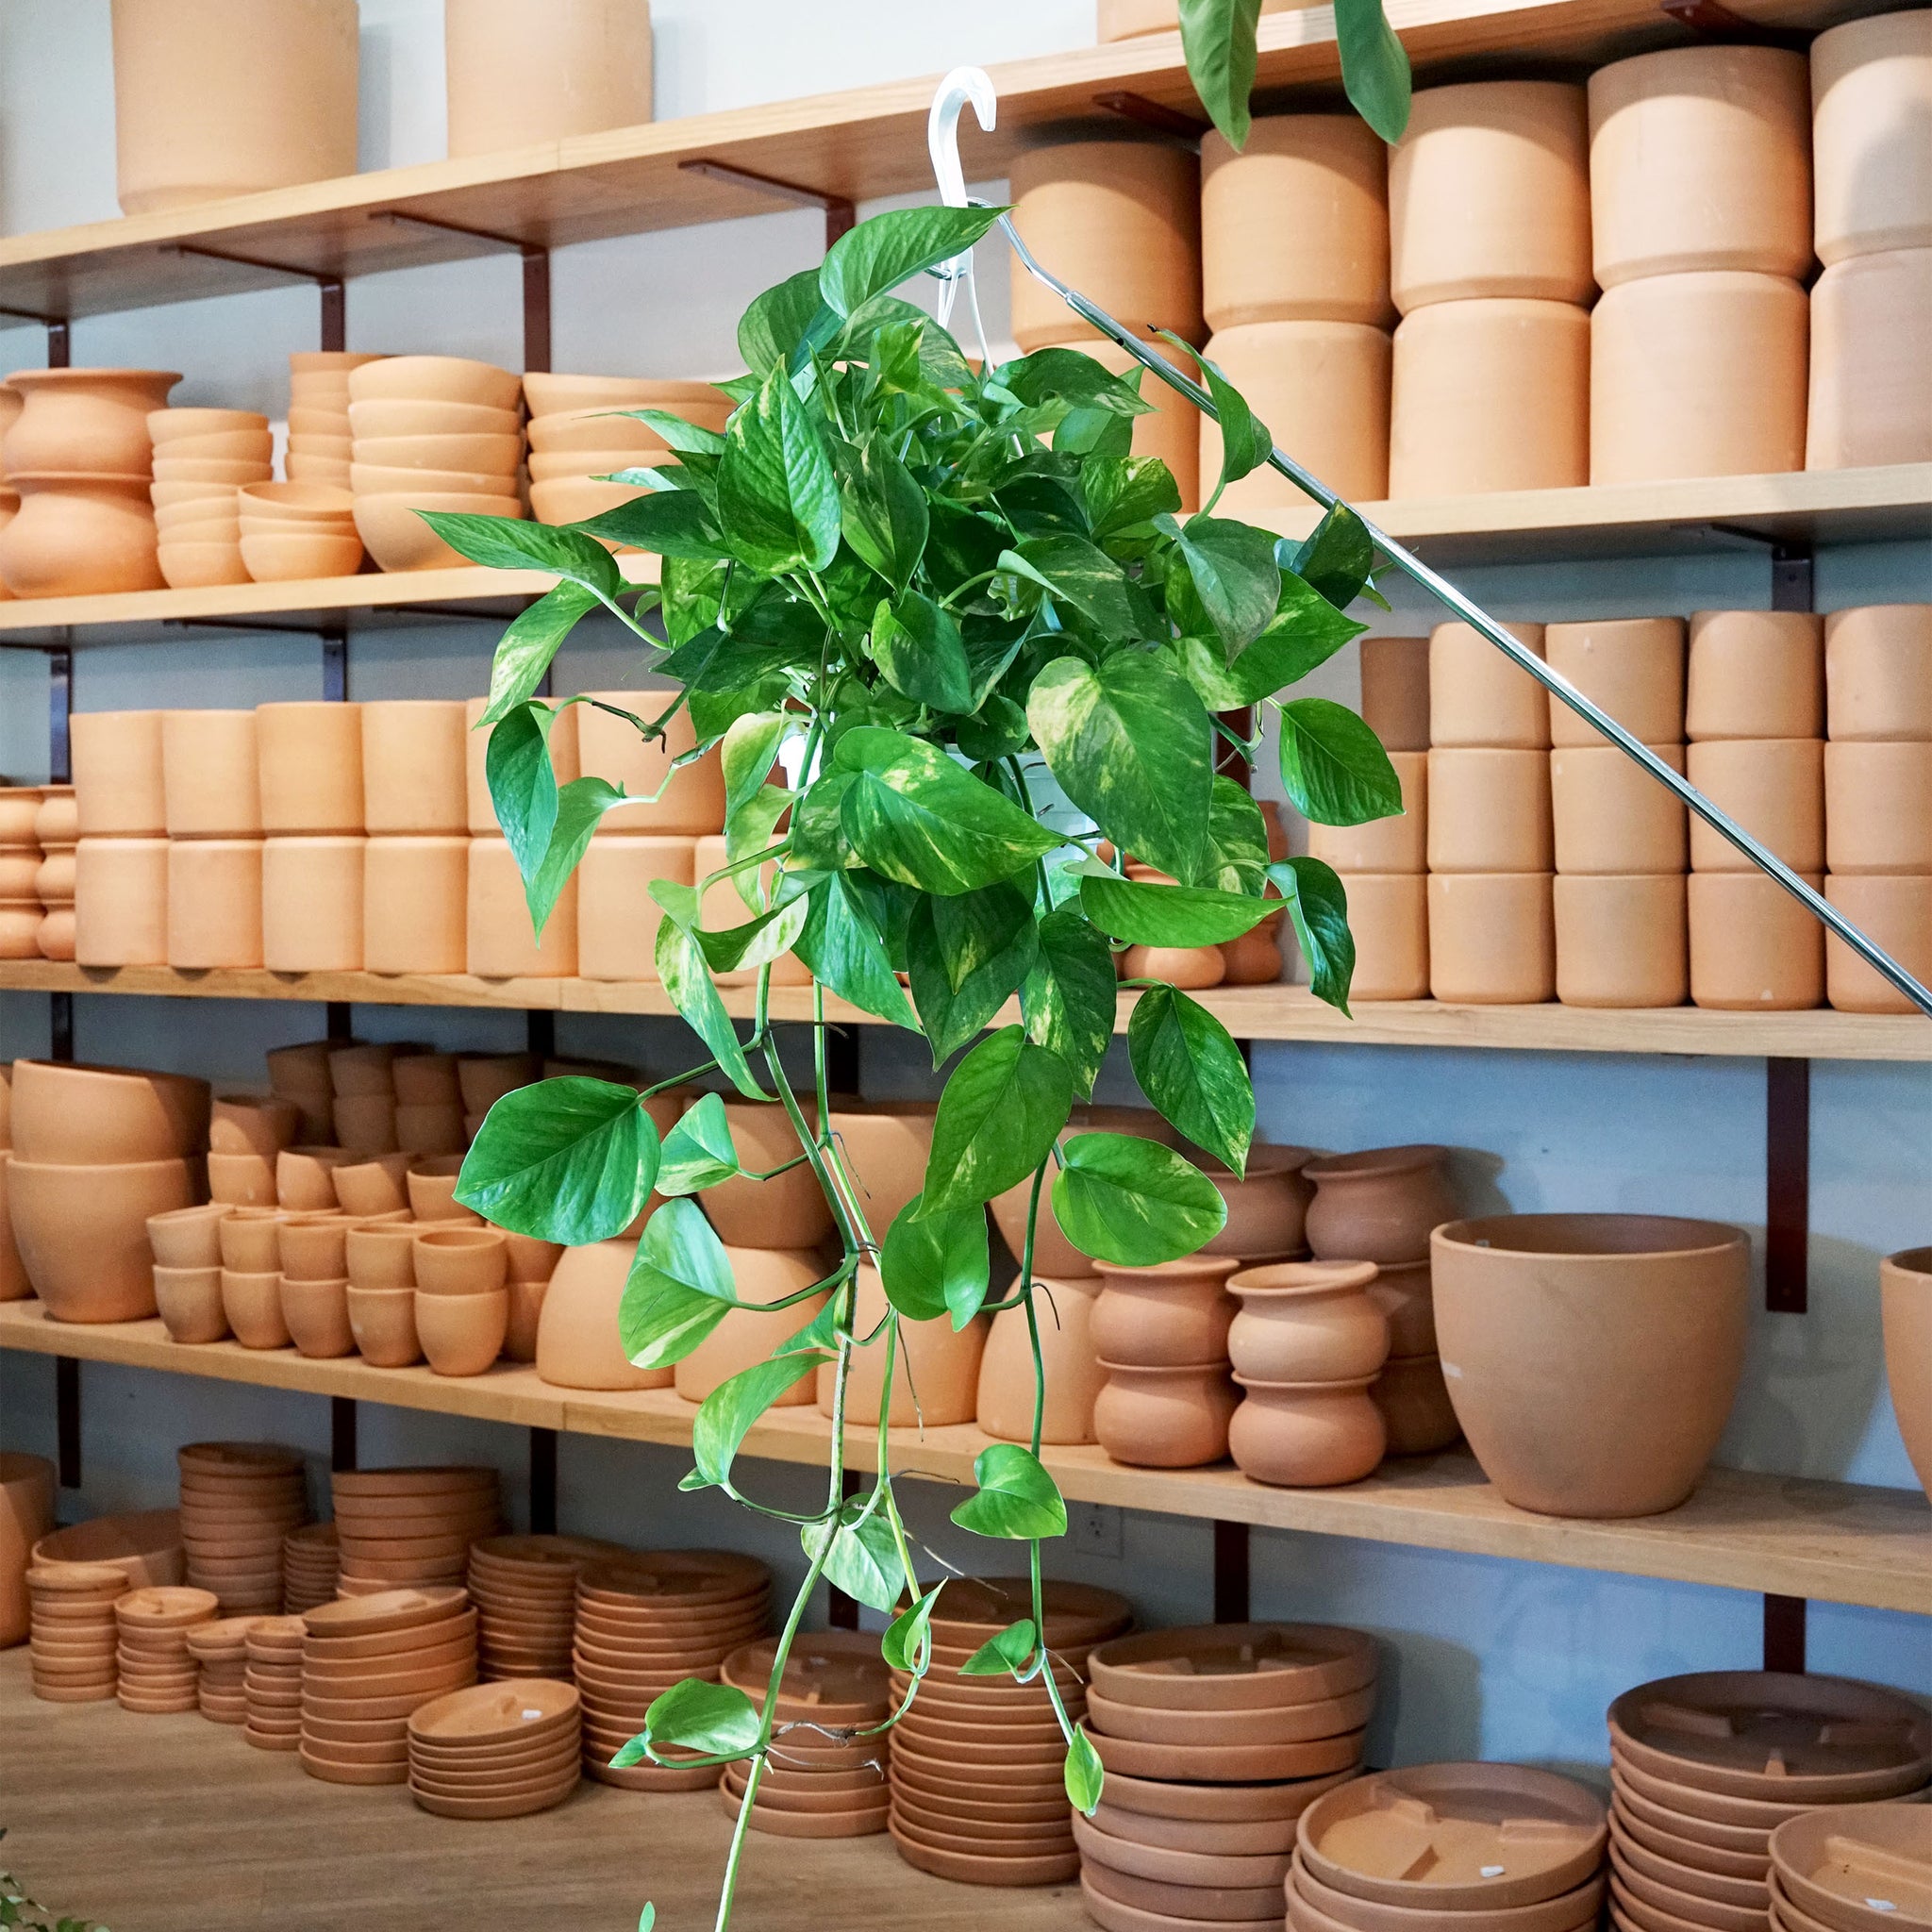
{"x": 1093, "y": 1528}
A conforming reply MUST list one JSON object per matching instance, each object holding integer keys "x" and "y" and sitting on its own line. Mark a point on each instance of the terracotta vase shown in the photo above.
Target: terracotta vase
{"x": 1164, "y": 1418}
{"x": 617, "y": 917}
{"x": 1305, "y": 1435}
{"x": 1621, "y": 940}
{"x": 1295, "y": 227}
{"x": 1871, "y": 396}
{"x": 1489, "y": 195}
{"x": 1610, "y": 816}
{"x": 611, "y": 748}
{"x": 746, "y": 1337}
{"x": 499, "y": 943}
{"x": 214, "y": 904}
{"x": 1871, "y": 147}
{"x": 1064, "y": 1310}
{"x": 1323, "y": 388}
{"x": 787, "y": 1211}
{"x": 415, "y": 905}
{"x": 1700, "y": 158}
{"x": 118, "y": 785}
{"x": 120, "y": 901}
{"x": 1054, "y": 1255}
{"x": 577, "y": 1341}
{"x": 886, "y": 1145}
{"x": 208, "y": 766}
{"x": 1592, "y": 1357}
{"x": 26, "y": 1514}
{"x": 79, "y": 422}
{"x": 1389, "y": 919}
{"x": 312, "y": 905}
{"x": 79, "y": 535}
{"x": 1489, "y": 811}
{"x": 1632, "y": 667}
{"x": 316, "y": 1314}
{"x": 1390, "y": 844}
{"x": 1773, "y": 787}
{"x": 1755, "y": 674}
{"x": 1121, "y": 220}
{"x": 1173, "y": 429}
{"x": 219, "y": 97}
{"x": 1877, "y": 674}
{"x": 310, "y": 768}
{"x": 528, "y": 71}
{"x": 1395, "y": 691}
{"x": 1418, "y": 1418}
{"x": 1266, "y": 1206}
{"x": 82, "y": 1233}
{"x": 383, "y": 1322}
{"x": 935, "y": 1380}
{"x": 1897, "y": 913}
{"x": 1906, "y": 1298}
{"x": 462, "y": 1334}
{"x": 1698, "y": 375}
{"x": 1169, "y": 1314}
{"x": 1492, "y": 939}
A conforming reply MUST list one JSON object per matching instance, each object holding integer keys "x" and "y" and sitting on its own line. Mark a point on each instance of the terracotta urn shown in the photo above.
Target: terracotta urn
{"x": 1592, "y": 1359}
{"x": 462, "y": 1334}
{"x": 1064, "y": 1312}
{"x": 1700, "y": 158}
{"x": 1897, "y": 912}
{"x": 787, "y": 1211}
{"x": 312, "y": 905}
{"x": 1905, "y": 1299}
{"x": 1307, "y": 1322}
{"x": 1773, "y": 787}
{"x": 82, "y": 1233}
{"x": 1393, "y": 845}
{"x": 611, "y": 748}
{"x": 1755, "y": 674}
{"x": 577, "y": 1341}
{"x": 412, "y": 766}
{"x": 415, "y": 905}
{"x": 528, "y": 71}
{"x": 1871, "y": 147}
{"x": 1871, "y": 396}
{"x": 499, "y": 944}
{"x": 886, "y": 1145}
{"x": 26, "y": 1514}
{"x": 1164, "y": 1418}
{"x": 214, "y": 904}
{"x": 1388, "y": 917}
{"x": 1053, "y": 1252}
{"x": 459, "y": 1261}
{"x": 84, "y": 422}
{"x": 1489, "y": 811}
{"x": 1379, "y": 1205}
{"x": 79, "y": 535}
{"x": 1418, "y": 1418}
{"x": 310, "y": 768}
{"x": 1609, "y": 815}
{"x": 383, "y": 1322}
{"x": 617, "y": 918}
{"x": 1492, "y": 939}
{"x": 1623, "y": 940}
{"x": 1877, "y": 674}
{"x": 936, "y": 1379}
{"x": 1173, "y": 428}
{"x": 1305, "y": 1435}
{"x": 746, "y": 1337}
{"x": 316, "y": 1314}
{"x": 1169, "y": 1314}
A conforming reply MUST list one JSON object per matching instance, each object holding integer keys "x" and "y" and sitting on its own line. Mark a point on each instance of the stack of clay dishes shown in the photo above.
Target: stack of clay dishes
{"x": 368, "y": 1663}
{"x": 311, "y": 1567}
{"x": 647, "y": 1621}
{"x": 57, "y": 826}
{"x": 411, "y": 1527}
{"x": 153, "y": 1669}
{"x": 430, "y": 432}
{"x": 220, "y": 1650}
{"x": 816, "y": 1782}
{"x": 1853, "y": 1868}
{"x": 1705, "y": 1767}
{"x": 463, "y": 1296}
{"x": 202, "y": 457}
{"x": 578, "y": 435}
{"x": 273, "y": 1681}
{"x": 144, "y": 1545}
{"x": 977, "y": 1763}
{"x": 1450, "y": 1848}
{"x": 295, "y": 530}
{"x": 21, "y": 908}
{"x": 71, "y": 1632}
{"x": 319, "y": 438}
{"x": 500, "y": 1750}
{"x": 526, "y": 1592}
{"x": 238, "y": 1500}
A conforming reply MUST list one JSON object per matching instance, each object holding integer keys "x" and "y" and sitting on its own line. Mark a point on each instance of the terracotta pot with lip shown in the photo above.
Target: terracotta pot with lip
{"x": 1479, "y": 699}
{"x": 1755, "y": 674}
{"x": 459, "y": 1261}
{"x": 1878, "y": 808}
{"x": 214, "y": 904}
{"x": 1164, "y": 1418}
{"x": 312, "y": 905}
{"x": 1610, "y": 816}
{"x": 1307, "y": 1434}
{"x": 746, "y": 1337}
{"x": 1418, "y": 1416}
{"x": 787, "y": 1211}
{"x": 1074, "y": 1374}
{"x": 1870, "y": 398}
{"x": 1379, "y": 1205}
{"x": 1054, "y": 1255}
{"x": 1592, "y": 1359}
{"x": 1169, "y": 1314}
{"x": 936, "y": 1379}
{"x": 1623, "y": 940}
{"x": 1869, "y": 141}
{"x": 1773, "y": 787}
{"x": 1753, "y": 947}
{"x": 245, "y": 1123}
{"x": 431, "y": 1181}
{"x": 85, "y": 420}
{"x": 253, "y": 1305}
{"x": 1307, "y": 1322}
{"x": 578, "y": 1345}
{"x": 80, "y": 535}
{"x": 365, "y": 1188}
{"x": 610, "y": 747}
{"x": 383, "y": 1323}
{"x": 412, "y": 766}
{"x": 1396, "y": 844}
{"x": 1389, "y": 919}
{"x": 316, "y": 1314}
{"x": 208, "y": 769}
{"x": 1489, "y": 811}
{"x": 190, "y": 1302}
{"x": 380, "y": 1256}
{"x": 499, "y": 943}
{"x": 1897, "y": 913}
{"x": 1492, "y": 939}
{"x": 1266, "y": 1206}
{"x": 1906, "y": 1298}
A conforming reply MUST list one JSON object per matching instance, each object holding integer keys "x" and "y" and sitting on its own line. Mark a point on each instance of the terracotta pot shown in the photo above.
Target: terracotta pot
{"x": 1305, "y": 1435}
{"x": 611, "y": 748}
{"x": 368, "y": 477}
{"x": 1697, "y": 375}
{"x": 82, "y": 1233}
{"x": 19, "y": 930}
{"x": 1869, "y": 142}
{"x": 120, "y": 901}
{"x": 381, "y": 1255}
{"x": 239, "y": 1123}
{"x": 312, "y": 905}
{"x": 1906, "y": 1295}
{"x": 365, "y": 1125}
{"x": 521, "y": 72}
{"x": 578, "y": 1340}
{"x": 1054, "y": 1255}
{"x": 1173, "y": 431}
{"x": 1121, "y": 221}
{"x": 412, "y": 766}
{"x": 415, "y": 905}
{"x": 303, "y": 1182}
{"x": 1266, "y": 1206}
{"x": 1610, "y": 816}
{"x": 617, "y": 918}
{"x": 187, "y": 1237}
{"x": 1897, "y": 913}
{"x": 1774, "y": 787}
{"x": 14, "y": 1285}
{"x": 745, "y": 1338}
{"x": 1878, "y": 808}
{"x": 1877, "y": 674}
{"x": 118, "y": 791}
{"x": 1170, "y": 1314}
{"x": 1395, "y": 691}
{"x": 431, "y": 1182}
{"x": 84, "y": 421}
{"x": 26, "y": 1514}
{"x": 214, "y": 904}
{"x": 1418, "y": 1418}
{"x": 275, "y": 558}
{"x": 1401, "y": 1290}
{"x": 396, "y": 536}
{"x": 208, "y": 764}
{"x": 462, "y": 1334}
{"x": 1755, "y": 674}
{"x": 1632, "y": 667}
{"x": 1492, "y": 939}
{"x": 1621, "y": 940}
{"x": 186, "y": 566}
{"x": 1307, "y": 1322}
{"x": 498, "y": 942}
{"x": 1392, "y": 844}
{"x": 1064, "y": 1310}
{"x": 248, "y": 1238}
{"x": 56, "y": 938}
{"x": 369, "y": 1188}
{"x": 317, "y": 1317}
{"x": 724, "y": 905}
{"x": 563, "y": 761}
{"x": 311, "y": 768}
{"x": 56, "y": 821}
{"x": 787, "y": 1212}
{"x": 310, "y": 1247}
{"x": 1164, "y": 1418}
{"x": 935, "y": 1380}
{"x": 1489, "y": 811}
{"x": 1871, "y": 399}
{"x": 383, "y": 1322}
{"x": 1191, "y": 968}
{"x": 1322, "y": 388}
{"x": 190, "y": 1302}
{"x": 1295, "y": 227}
{"x": 64, "y": 1114}
{"x": 1592, "y": 1357}
{"x": 1379, "y": 1205}
{"x": 432, "y": 380}
{"x": 1254, "y": 959}
{"x": 1700, "y": 158}
{"x": 886, "y": 1145}
{"x": 79, "y": 535}
{"x": 460, "y": 1260}
{"x": 1389, "y": 919}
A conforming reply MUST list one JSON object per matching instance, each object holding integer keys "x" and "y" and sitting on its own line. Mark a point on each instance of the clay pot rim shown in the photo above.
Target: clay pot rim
{"x": 457, "y": 1235}
{"x": 1376, "y": 1160}
{"x": 1342, "y": 1386}
{"x": 57, "y": 378}
{"x": 1190, "y": 1268}
{"x": 1302, "y": 1280}
{"x": 1700, "y": 1237}
{"x": 1145, "y": 1369}
{"x": 1913, "y": 1261}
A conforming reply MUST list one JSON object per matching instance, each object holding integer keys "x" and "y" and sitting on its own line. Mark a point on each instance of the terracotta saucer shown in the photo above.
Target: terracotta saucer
{"x": 647, "y": 1777}
{"x": 1116, "y": 1915}
{"x": 983, "y": 1756}
{"x": 386, "y": 1753}
{"x": 1690, "y": 1801}
{"x": 977, "y": 1868}
{"x": 355, "y": 1730}
{"x": 971, "y": 1608}
{"x": 1169, "y": 1867}
{"x": 400, "y": 1663}
{"x": 354, "y": 1773}
{"x": 1281, "y": 1724}
{"x": 831, "y": 1677}
{"x": 498, "y": 1808}
{"x": 794, "y": 1825}
{"x": 1698, "y": 1907}
{"x": 430, "y": 1680}
{"x": 952, "y": 1693}
{"x": 373, "y": 1709}
{"x": 855, "y": 1794}
{"x": 517, "y": 1783}
{"x": 489, "y": 1716}
{"x": 1858, "y": 1867}
{"x": 527, "y": 1552}
{"x": 1236, "y": 1839}
{"x": 565, "y": 1744}
{"x": 1231, "y": 1667}
{"x": 396, "y": 1610}
{"x": 1181, "y": 1901}
{"x": 1226, "y": 1764}
{"x": 426, "y": 1481}
{"x": 690, "y": 1577}
{"x": 154, "y": 1706}
{"x": 1647, "y": 1917}
{"x": 1046, "y": 1807}
{"x": 1751, "y": 1894}
{"x": 1328, "y": 1910}
{"x": 383, "y": 1642}
{"x": 938, "y": 1734}
{"x": 73, "y": 1693}
{"x": 1669, "y": 1835}
{"x": 166, "y": 1608}
{"x": 242, "y": 1460}
{"x": 939, "y": 1821}
{"x": 1014, "y": 1787}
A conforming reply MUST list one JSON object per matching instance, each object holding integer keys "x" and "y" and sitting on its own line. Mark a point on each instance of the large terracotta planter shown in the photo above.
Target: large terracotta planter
{"x": 1871, "y": 391}
{"x": 412, "y": 766}
{"x": 1389, "y": 918}
{"x": 1621, "y": 940}
{"x": 65, "y": 1114}
{"x": 1169, "y": 1314}
{"x": 91, "y": 421}
{"x": 1164, "y": 1418}
{"x": 208, "y": 772}
{"x": 1700, "y": 158}
{"x": 1632, "y": 666}
{"x": 26, "y": 1514}
{"x": 936, "y": 1379}
{"x": 220, "y": 98}
{"x": 120, "y": 901}
{"x": 1173, "y": 428}
{"x": 611, "y": 748}
{"x": 1609, "y": 815}
{"x": 1906, "y": 1296}
{"x": 1773, "y": 787}
{"x": 82, "y": 1233}
{"x": 1390, "y": 844}
{"x": 1871, "y": 140}
{"x": 1878, "y": 808}
{"x": 577, "y": 1341}
{"x": 416, "y": 904}
{"x": 1307, "y": 1322}
{"x": 617, "y": 918}
{"x": 1488, "y": 194}
{"x": 1755, "y": 674}
{"x": 528, "y": 71}
{"x": 746, "y": 1337}
{"x": 787, "y": 1211}
{"x": 214, "y": 904}
{"x": 1489, "y": 811}
{"x": 79, "y": 535}
{"x": 1896, "y": 913}
{"x": 312, "y": 905}
{"x": 1307, "y": 1434}
{"x": 1492, "y": 938}
{"x": 1064, "y": 1311}
{"x": 1592, "y": 1357}
{"x": 1877, "y": 673}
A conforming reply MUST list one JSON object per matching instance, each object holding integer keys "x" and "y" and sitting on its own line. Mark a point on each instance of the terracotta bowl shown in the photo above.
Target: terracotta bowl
{"x": 195, "y": 566}
{"x": 187, "y": 1237}
{"x": 435, "y": 379}
{"x": 273, "y": 560}
{"x": 382, "y": 419}
{"x": 145, "y": 1547}
{"x": 295, "y": 505}
{"x": 207, "y": 516}
{"x": 462, "y": 1334}
{"x": 165, "y": 427}
{"x": 495, "y": 455}
{"x": 210, "y": 470}
{"x": 454, "y": 1260}
{"x": 375, "y": 479}
{"x": 226, "y": 446}
{"x": 241, "y": 1124}
{"x": 576, "y": 499}
{"x": 557, "y": 465}
{"x": 104, "y": 1273}
{"x": 571, "y": 430}
{"x": 65, "y": 1115}
{"x": 701, "y": 402}
{"x": 398, "y": 539}
{"x": 367, "y": 1187}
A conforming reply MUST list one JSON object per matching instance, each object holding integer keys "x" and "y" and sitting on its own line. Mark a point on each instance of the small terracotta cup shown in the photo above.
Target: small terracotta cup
{"x": 431, "y": 1181}
{"x": 187, "y": 1237}
{"x": 429, "y": 1131}
{"x": 310, "y": 1247}
{"x": 244, "y": 1123}
{"x": 366, "y": 1123}
{"x": 190, "y": 1301}
{"x": 462, "y": 1334}
{"x": 529, "y": 1258}
{"x": 302, "y": 1178}
{"x": 1388, "y": 917}
{"x": 1753, "y": 947}
{"x": 1492, "y": 939}
{"x": 383, "y": 1322}
{"x": 249, "y": 1243}
{"x": 241, "y": 1180}
{"x": 316, "y": 1314}
{"x": 372, "y": 1186}
{"x": 253, "y": 1304}
{"x": 1622, "y": 941}
{"x": 426, "y": 1079}
{"x": 461, "y": 1262}
{"x": 381, "y": 1255}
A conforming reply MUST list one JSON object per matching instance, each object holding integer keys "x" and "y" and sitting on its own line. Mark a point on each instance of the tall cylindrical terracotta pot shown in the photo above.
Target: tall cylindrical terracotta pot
{"x": 1871, "y": 393}
{"x": 1906, "y": 1298}
{"x": 1592, "y": 1359}
{"x": 528, "y": 71}
{"x": 120, "y": 901}
{"x": 312, "y": 905}
{"x": 1897, "y": 912}
{"x": 1395, "y": 690}
{"x": 1398, "y": 844}
{"x": 1621, "y": 940}
{"x": 413, "y": 778}
{"x": 1870, "y": 136}
{"x": 1064, "y": 1310}
{"x": 119, "y": 790}
{"x": 1173, "y": 429}
{"x": 1753, "y": 947}
{"x": 1877, "y": 674}
{"x": 501, "y": 942}
{"x": 1773, "y": 787}
{"x": 1478, "y": 697}
{"x": 1389, "y": 918}
{"x": 311, "y": 754}
{"x": 26, "y": 1514}
{"x": 214, "y": 904}
{"x": 1755, "y": 674}
{"x": 611, "y": 748}
{"x": 415, "y": 905}
{"x": 1878, "y": 808}
{"x": 1632, "y": 666}
{"x": 210, "y": 772}
{"x": 577, "y": 1341}
{"x": 1488, "y": 810}
{"x": 1610, "y": 816}
{"x": 1492, "y": 939}
{"x": 617, "y": 918}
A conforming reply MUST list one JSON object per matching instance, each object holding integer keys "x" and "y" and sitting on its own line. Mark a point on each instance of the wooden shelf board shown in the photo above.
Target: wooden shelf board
{"x": 1790, "y": 1536}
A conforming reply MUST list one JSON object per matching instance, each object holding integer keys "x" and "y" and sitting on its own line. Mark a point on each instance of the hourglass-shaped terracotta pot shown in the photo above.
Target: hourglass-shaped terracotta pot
{"x": 1166, "y": 1314}
{"x": 1307, "y": 1434}
{"x": 1307, "y": 1322}
{"x": 1164, "y": 1418}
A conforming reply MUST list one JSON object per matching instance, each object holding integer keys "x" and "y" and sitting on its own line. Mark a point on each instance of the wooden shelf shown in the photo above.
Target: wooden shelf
{"x": 1789, "y": 1537}
{"x": 1250, "y": 1012}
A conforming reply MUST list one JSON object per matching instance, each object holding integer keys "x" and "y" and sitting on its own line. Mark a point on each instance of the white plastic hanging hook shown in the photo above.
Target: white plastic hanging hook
{"x": 961, "y": 85}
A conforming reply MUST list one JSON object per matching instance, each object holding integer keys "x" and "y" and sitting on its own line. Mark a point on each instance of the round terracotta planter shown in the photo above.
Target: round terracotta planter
{"x": 120, "y": 901}
{"x": 79, "y": 535}
{"x": 1489, "y": 811}
{"x": 936, "y": 1379}
{"x": 1173, "y": 429}
{"x": 1120, "y": 220}
{"x": 1621, "y": 940}
{"x": 528, "y": 71}
{"x": 462, "y": 1334}
{"x": 1905, "y": 1297}
{"x": 1307, "y": 1434}
{"x": 1295, "y": 227}
{"x": 1389, "y": 919}
{"x": 1064, "y": 1310}
{"x": 577, "y": 1341}
{"x": 1871, "y": 393}
{"x": 1169, "y": 1314}
{"x": 1492, "y": 939}
{"x": 1323, "y": 388}
{"x": 1871, "y": 147}
{"x": 611, "y": 748}
{"x": 617, "y": 918}
{"x": 1897, "y": 913}
{"x": 1698, "y": 375}
{"x": 415, "y": 903}
{"x": 1753, "y": 947}
{"x": 746, "y": 1337}
{"x": 383, "y": 1322}
{"x": 499, "y": 944}
{"x": 1592, "y": 1357}
{"x": 82, "y": 1233}
{"x": 1773, "y": 787}
{"x": 412, "y": 766}
{"x": 1490, "y": 394}
{"x": 787, "y": 1211}
{"x": 1164, "y": 1418}
{"x": 1395, "y": 691}
{"x": 1390, "y": 844}
{"x": 117, "y": 786}
{"x": 1488, "y": 194}
{"x": 1755, "y": 674}
{"x": 1632, "y": 667}
{"x": 1878, "y": 808}
{"x": 1054, "y": 1255}
{"x": 1700, "y": 158}
{"x": 56, "y": 938}
{"x": 1610, "y": 816}
{"x": 1307, "y": 1322}
{"x": 1267, "y": 1206}
{"x": 65, "y": 1114}
{"x": 1418, "y": 1418}
{"x": 1379, "y": 1205}
{"x": 311, "y": 768}
{"x": 1877, "y": 674}
{"x": 214, "y": 904}
{"x": 84, "y": 421}
{"x": 312, "y": 905}
{"x": 208, "y": 765}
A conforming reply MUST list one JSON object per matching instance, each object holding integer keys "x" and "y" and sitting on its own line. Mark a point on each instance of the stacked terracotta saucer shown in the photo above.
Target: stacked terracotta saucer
{"x": 1458, "y": 1847}
{"x": 272, "y": 1678}
{"x": 978, "y": 1764}
{"x": 1705, "y": 1767}
{"x": 220, "y": 1650}
{"x": 153, "y": 1669}
{"x": 311, "y": 1567}
{"x": 826, "y": 1777}
{"x": 1169, "y": 1840}
{"x": 368, "y": 1662}
{"x": 526, "y": 1592}
{"x": 1853, "y": 1868}
{"x": 499, "y": 1750}
{"x": 238, "y": 1500}
{"x": 647, "y": 1621}
{"x": 71, "y": 1630}
{"x": 403, "y": 1529}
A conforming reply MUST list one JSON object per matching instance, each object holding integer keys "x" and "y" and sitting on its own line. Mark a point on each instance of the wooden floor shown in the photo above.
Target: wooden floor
{"x": 175, "y": 1825}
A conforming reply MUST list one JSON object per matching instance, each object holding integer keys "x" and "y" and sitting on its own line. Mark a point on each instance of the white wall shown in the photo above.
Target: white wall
{"x": 1511, "y": 1660}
